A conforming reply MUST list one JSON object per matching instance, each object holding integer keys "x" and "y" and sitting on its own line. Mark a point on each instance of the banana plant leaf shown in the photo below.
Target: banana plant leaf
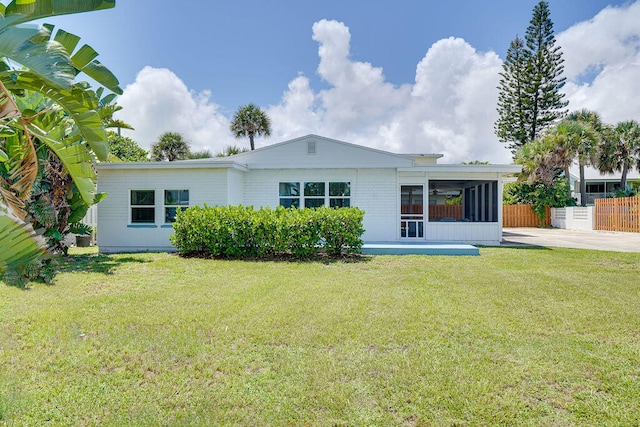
{"x": 30, "y": 10}
{"x": 79, "y": 103}
{"x": 29, "y": 46}
{"x": 74, "y": 155}
{"x": 84, "y": 60}
{"x": 19, "y": 243}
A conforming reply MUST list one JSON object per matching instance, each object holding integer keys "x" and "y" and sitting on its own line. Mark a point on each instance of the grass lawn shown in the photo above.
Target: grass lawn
{"x": 512, "y": 337}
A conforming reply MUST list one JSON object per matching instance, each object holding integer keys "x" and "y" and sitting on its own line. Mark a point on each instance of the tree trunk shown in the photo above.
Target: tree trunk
{"x": 568, "y": 177}
{"x": 623, "y": 179}
{"x": 583, "y": 186}
{"x": 251, "y": 142}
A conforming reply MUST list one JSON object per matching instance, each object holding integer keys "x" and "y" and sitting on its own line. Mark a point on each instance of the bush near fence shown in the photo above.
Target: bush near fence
{"x": 244, "y": 232}
{"x": 523, "y": 216}
{"x": 619, "y": 214}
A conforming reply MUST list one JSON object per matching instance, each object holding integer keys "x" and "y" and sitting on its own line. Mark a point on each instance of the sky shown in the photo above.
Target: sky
{"x": 408, "y": 76}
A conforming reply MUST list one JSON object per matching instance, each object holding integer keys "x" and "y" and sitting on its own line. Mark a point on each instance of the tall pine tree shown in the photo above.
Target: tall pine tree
{"x": 510, "y": 126}
{"x": 529, "y": 99}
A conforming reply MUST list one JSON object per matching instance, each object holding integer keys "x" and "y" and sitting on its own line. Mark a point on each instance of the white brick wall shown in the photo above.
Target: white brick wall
{"x": 115, "y": 232}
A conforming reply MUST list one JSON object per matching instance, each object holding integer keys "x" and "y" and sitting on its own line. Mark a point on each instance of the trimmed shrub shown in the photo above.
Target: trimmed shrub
{"x": 243, "y": 232}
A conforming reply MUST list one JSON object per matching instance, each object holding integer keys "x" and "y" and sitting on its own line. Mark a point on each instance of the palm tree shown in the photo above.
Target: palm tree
{"x": 587, "y": 133}
{"x": 231, "y": 150}
{"x": 249, "y": 121}
{"x": 171, "y": 146}
{"x": 620, "y": 150}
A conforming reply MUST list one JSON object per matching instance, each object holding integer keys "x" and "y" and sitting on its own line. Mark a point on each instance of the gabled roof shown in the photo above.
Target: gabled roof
{"x": 314, "y": 151}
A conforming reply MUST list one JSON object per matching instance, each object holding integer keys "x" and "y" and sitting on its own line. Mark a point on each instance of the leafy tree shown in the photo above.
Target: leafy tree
{"x": 125, "y": 149}
{"x": 529, "y": 100}
{"x": 51, "y": 131}
{"x": 620, "y": 150}
{"x": 250, "y": 121}
{"x": 539, "y": 195}
{"x": 171, "y": 146}
{"x": 231, "y": 150}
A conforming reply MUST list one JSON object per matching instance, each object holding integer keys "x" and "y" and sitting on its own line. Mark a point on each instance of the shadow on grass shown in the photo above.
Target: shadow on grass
{"x": 519, "y": 246}
{"x": 95, "y": 263}
{"x": 320, "y": 258}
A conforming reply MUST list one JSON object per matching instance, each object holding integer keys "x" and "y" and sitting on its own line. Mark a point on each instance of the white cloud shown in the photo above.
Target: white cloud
{"x": 449, "y": 109}
{"x": 608, "y": 48}
{"x": 158, "y": 101}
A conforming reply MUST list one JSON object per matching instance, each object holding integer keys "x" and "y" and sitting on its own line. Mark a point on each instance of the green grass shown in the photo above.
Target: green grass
{"x": 513, "y": 337}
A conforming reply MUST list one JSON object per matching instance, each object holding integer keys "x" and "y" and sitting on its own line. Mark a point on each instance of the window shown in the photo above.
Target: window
{"x": 315, "y": 194}
{"x": 290, "y": 194}
{"x": 463, "y": 201}
{"x": 172, "y": 200}
{"x": 339, "y": 194}
{"x": 143, "y": 210}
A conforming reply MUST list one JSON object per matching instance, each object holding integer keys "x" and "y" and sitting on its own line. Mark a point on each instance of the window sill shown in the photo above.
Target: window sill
{"x": 142, "y": 226}
{"x": 166, "y": 226}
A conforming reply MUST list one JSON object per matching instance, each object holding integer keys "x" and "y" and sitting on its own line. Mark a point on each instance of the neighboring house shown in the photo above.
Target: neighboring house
{"x": 599, "y": 185}
{"x": 405, "y": 197}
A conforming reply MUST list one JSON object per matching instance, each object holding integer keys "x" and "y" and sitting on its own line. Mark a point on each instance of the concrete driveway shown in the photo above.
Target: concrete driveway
{"x": 555, "y": 237}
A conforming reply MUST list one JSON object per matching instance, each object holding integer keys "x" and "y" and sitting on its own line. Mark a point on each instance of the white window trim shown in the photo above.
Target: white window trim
{"x": 131, "y": 206}
{"x": 165, "y": 206}
{"x": 326, "y": 198}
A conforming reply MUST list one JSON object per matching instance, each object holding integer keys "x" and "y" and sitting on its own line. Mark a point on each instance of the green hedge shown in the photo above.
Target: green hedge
{"x": 244, "y": 232}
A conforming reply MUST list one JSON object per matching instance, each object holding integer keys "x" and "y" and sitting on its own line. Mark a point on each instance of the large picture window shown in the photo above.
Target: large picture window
{"x": 315, "y": 194}
{"x": 290, "y": 194}
{"x": 173, "y": 199}
{"x": 339, "y": 194}
{"x": 143, "y": 210}
{"x": 463, "y": 201}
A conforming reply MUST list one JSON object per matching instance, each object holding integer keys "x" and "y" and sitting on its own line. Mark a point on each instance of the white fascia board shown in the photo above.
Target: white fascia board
{"x": 171, "y": 165}
{"x": 500, "y": 169}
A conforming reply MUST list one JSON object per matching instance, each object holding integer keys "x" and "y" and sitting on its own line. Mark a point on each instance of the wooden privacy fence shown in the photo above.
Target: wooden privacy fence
{"x": 445, "y": 211}
{"x": 620, "y": 214}
{"x": 522, "y": 216}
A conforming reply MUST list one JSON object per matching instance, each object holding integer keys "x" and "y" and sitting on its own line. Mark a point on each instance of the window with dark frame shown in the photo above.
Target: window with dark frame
{"x": 174, "y": 199}
{"x": 143, "y": 210}
{"x": 315, "y": 194}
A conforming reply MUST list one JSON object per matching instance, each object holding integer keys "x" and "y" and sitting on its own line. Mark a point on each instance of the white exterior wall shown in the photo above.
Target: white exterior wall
{"x": 115, "y": 231}
{"x": 574, "y": 218}
{"x": 372, "y": 190}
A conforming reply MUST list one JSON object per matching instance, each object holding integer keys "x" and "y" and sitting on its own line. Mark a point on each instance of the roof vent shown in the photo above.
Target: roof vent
{"x": 311, "y": 147}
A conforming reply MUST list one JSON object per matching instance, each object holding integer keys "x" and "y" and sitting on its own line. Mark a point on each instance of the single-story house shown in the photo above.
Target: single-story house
{"x": 405, "y": 197}
{"x": 600, "y": 185}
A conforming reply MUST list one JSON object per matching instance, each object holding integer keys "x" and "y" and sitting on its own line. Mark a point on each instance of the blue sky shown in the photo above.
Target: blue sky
{"x": 230, "y": 53}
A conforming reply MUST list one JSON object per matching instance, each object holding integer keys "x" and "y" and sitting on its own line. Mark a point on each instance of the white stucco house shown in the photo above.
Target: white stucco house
{"x": 405, "y": 197}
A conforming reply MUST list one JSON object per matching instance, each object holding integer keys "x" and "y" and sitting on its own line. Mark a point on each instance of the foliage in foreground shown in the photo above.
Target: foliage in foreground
{"x": 539, "y": 195}
{"x": 51, "y": 130}
{"x": 520, "y": 337}
{"x": 244, "y": 232}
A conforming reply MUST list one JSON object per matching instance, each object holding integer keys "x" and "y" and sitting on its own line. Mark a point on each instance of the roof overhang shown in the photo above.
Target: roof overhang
{"x": 185, "y": 164}
{"x": 500, "y": 169}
